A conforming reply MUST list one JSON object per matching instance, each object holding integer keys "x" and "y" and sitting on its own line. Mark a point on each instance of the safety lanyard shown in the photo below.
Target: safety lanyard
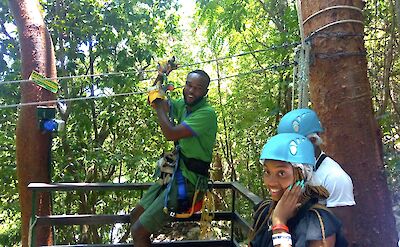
{"x": 177, "y": 174}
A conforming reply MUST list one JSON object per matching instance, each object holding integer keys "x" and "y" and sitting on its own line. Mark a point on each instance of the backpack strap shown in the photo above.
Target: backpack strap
{"x": 260, "y": 218}
{"x": 321, "y": 222}
{"x": 319, "y": 161}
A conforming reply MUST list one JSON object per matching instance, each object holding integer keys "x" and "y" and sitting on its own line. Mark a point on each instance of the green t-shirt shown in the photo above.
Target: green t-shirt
{"x": 202, "y": 121}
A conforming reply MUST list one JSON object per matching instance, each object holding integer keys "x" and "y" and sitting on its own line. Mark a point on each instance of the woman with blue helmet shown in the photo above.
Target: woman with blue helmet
{"x": 293, "y": 216}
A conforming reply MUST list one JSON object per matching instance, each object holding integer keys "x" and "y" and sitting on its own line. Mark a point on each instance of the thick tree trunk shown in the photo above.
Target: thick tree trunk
{"x": 37, "y": 53}
{"x": 341, "y": 95}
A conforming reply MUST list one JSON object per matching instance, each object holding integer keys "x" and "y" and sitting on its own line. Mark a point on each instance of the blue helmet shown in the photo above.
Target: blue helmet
{"x": 301, "y": 121}
{"x": 289, "y": 147}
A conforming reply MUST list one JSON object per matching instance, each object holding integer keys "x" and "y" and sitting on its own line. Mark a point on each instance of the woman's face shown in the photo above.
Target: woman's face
{"x": 278, "y": 175}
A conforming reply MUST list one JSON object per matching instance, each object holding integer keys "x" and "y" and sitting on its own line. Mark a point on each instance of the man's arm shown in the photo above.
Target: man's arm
{"x": 171, "y": 132}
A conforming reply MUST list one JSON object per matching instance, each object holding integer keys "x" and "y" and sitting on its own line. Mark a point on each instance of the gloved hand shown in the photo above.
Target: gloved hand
{"x": 155, "y": 93}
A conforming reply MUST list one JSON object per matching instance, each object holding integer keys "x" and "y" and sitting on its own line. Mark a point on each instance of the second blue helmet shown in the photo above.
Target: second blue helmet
{"x": 289, "y": 147}
{"x": 301, "y": 121}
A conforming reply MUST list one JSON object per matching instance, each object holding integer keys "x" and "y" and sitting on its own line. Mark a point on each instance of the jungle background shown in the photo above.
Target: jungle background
{"x": 117, "y": 139}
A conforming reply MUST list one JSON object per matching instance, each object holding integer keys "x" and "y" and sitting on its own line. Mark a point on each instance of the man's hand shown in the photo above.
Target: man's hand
{"x": 155, "y": 94}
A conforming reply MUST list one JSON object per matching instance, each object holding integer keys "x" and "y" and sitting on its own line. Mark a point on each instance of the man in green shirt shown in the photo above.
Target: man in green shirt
{"x": 196, "y": 134}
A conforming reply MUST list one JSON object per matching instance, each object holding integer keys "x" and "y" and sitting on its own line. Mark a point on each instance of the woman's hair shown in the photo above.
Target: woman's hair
{"x": 311, "y": 191}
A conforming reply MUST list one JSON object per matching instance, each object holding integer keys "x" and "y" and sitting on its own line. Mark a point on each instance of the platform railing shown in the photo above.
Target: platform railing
{"x": 237, "y": 221}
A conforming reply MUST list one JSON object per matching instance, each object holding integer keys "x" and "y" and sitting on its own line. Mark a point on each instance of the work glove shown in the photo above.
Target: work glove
{"x": 155, "y": 93}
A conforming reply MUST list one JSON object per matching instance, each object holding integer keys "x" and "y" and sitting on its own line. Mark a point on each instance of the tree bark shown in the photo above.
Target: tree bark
{"x": 32, "y": 146}
{"x": 341, "y": 95}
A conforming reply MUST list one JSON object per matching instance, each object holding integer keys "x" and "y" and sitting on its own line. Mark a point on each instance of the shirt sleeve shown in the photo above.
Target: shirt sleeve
{"x": 201, "y": 121}
{"x": 340, "y": 188}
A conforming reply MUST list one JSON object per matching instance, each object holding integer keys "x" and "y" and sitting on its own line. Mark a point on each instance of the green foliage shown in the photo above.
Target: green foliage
{"x": 250, "y": 105}
{"x": 118, "y": 139}
{"x": 9, "y": 204}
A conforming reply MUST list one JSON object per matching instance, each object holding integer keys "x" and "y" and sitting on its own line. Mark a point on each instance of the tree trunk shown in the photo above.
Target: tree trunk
{"x": 37, "y": 53}
{"x": 341, "y": 95}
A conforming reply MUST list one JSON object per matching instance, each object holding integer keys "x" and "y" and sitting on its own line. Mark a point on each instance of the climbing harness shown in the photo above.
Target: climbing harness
{"x": 166, "y": 167}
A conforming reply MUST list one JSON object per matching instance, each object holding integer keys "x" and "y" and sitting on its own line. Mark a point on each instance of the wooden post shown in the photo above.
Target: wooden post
{"x": 37, "y": 53}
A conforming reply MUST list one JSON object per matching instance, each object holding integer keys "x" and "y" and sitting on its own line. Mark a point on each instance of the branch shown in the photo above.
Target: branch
{"x": 396, "y": 11}
{"x": 388, "y": 63}
{"x": 5, "y": 32}
{"x": 255, "y": 58}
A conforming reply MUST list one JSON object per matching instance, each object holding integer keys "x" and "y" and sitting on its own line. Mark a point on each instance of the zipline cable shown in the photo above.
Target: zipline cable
{"x": 243, "y": 54}
{"x": 273, "y": 67}
{"x": 47, "y": 102}
{"x": 143, "y": 71}
{"x": 71, "y": 77}
{"x": 255, "y": 71}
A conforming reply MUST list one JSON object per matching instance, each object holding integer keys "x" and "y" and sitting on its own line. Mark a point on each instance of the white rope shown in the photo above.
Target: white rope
{"x": 300, "y": 20}
{"x": 142, "y": 71}
{"x": 301, "y": 71}
{"x": 332, "y": 8}
{"x": 295, "y": 74}
{"x": 304, "y": 76}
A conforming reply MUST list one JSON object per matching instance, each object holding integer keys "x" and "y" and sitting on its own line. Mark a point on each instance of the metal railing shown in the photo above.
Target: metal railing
{"x": 236, "y": 220}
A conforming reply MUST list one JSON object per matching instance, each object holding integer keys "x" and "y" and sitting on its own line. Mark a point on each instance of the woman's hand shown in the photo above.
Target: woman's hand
{"x": 288, "y": 205}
